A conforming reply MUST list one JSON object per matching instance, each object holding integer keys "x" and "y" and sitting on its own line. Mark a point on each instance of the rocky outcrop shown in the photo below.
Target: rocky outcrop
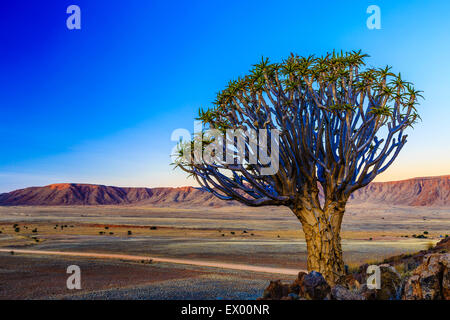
{"x": 431, "y": 280}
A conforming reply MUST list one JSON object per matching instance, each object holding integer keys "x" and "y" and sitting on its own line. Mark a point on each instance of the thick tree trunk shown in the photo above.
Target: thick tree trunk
{"x": 322, "y": 233}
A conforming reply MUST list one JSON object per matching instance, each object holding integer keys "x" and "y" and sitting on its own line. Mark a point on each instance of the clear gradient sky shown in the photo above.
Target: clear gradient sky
{"x": 98, "y": 105}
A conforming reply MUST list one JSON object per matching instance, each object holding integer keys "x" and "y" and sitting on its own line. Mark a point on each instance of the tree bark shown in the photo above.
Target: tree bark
{"x": 322, "y": 234}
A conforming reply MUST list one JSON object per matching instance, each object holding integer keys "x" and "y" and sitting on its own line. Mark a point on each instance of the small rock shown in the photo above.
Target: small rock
{"x": 340, "y": 292}
{"x": 276, "y": 290}
{"x": 391, "y": 283}
{"x": 431, "y": 280}
{"x": 297, "y": 286}
{"x": 315, "y": 286}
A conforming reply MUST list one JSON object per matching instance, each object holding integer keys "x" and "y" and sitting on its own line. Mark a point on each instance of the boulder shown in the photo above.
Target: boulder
{"x": 391, "y": 284}
{"x": 349, "y": 281}
{"x": 361, "y": 275}
{"x": 366, "y": 293}
{"x": 297, "y": 286}
{"x": 339, "y": 292}
{"x": 430, "y": 281}
{"x": 276, "y": 290}
{"x": 315, "y": 286}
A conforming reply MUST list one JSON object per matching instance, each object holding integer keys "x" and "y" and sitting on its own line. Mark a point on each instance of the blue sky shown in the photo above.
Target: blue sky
{"x": 98, "y": 105}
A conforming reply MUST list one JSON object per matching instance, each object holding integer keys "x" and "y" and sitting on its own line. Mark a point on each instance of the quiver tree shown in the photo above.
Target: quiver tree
{"x": 340, "y": 124}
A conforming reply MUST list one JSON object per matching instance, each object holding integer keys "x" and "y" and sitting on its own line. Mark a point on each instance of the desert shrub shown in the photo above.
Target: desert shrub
{"x": 17, "y": 229}
{"x": 153, "y": 228}
{"x": 425, "y": 232}
{"x": 245, "y": 231}
{"x": 129, "y": 233}
{"x": 34, "y": 230}
{"x": 106, "y": 228}
{"x": 111, "y": 233}
{"x": 101, "y": 232}
{"x": 223, "y": 235}
{"x": 232, "y": 232}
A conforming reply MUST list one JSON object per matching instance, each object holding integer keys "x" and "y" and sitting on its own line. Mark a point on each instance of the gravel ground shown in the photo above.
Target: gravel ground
{"x": 209, "y": 287}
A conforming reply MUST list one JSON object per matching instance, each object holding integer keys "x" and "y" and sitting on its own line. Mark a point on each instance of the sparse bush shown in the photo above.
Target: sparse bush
{"x": 101, "y": 233}
{"x": 17, "y": 229}
{"x": 232, "y": 232}
{"x": 34, "y": 230}
{"x": 153, "y": 228}
{"x": 106, "y": 228}
{"x": 425, "y": 232}
{"x": 129, "y": 233}
{"x": 111, "y": 233}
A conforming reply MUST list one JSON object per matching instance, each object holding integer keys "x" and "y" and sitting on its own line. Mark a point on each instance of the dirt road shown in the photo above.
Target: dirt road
{"x": 212, "y": 264}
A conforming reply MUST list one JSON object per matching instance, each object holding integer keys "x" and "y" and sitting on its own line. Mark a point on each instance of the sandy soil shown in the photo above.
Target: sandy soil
{"x": 127, "y": 257}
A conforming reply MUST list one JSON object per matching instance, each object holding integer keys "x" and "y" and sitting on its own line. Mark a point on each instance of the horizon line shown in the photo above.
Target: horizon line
{"x": 191, "y": 186}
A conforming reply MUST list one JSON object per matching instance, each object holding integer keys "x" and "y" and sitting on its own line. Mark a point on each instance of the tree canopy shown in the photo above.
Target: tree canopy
{"x": 340, "y": 124}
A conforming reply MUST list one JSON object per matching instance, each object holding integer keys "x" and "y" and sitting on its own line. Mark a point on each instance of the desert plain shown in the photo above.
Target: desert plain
{"x": 147, "y": 252}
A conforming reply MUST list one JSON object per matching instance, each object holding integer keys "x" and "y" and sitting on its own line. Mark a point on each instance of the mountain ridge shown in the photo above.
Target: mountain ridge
{"x": 420, "y": 191}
